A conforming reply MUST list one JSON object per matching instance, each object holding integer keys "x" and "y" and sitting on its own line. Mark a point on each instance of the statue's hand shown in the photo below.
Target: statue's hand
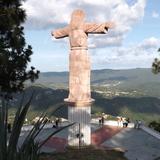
{"x": 109, "y": 25}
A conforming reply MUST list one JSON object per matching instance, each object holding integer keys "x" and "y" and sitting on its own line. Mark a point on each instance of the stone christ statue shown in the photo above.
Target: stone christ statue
{"x": 79, "y": 61}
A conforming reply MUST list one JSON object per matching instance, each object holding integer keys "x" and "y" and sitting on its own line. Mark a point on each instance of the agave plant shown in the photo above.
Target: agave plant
{"x": 30, "y": 148}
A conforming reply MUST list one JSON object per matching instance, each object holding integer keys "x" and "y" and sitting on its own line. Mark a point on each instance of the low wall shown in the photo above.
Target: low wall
{"x": 151, "y": 131}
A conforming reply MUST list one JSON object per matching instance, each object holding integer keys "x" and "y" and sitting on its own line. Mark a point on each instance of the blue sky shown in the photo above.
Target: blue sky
{"x": 133, "y": 43}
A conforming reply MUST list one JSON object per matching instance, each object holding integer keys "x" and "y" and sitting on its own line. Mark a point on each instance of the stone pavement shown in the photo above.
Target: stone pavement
{"x": 59, "y": 141}
{"x": 103, "y": 134}
{"x": 138, "y": 145}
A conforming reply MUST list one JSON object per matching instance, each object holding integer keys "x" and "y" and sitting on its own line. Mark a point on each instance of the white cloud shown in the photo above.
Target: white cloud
{"x": 133, "y": 56}
{"x": 56, "y": 13}
{"x": 150, "y": 43}
{"x": 155, "y": 14}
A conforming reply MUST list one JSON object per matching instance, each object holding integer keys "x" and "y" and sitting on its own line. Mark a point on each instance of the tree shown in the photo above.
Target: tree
{"x": 14, "y": 58}
{"x": 14, "y": 53}
{"x": 156, "y": 65}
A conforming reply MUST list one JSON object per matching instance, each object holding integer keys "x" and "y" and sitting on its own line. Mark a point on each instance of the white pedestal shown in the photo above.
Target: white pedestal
{"x": 81, "y": 115}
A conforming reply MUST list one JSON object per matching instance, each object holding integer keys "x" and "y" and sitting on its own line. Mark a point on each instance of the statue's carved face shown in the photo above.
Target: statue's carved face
{"x": 77, "y": 19}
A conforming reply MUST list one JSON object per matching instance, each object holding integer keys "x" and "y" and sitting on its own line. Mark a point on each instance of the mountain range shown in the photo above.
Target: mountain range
{"x": 131, "y": 93}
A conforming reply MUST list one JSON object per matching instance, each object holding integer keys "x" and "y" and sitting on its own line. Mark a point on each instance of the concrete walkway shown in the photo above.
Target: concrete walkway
{"x": 138, "y": 145}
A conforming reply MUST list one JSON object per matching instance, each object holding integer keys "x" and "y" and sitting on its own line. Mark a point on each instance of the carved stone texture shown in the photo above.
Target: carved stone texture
{"x": 79, "y": 61}
{"x": 79, "y": 77}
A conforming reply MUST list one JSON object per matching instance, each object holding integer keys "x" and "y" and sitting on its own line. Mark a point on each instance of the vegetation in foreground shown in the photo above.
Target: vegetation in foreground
{"x": 155, "y": 125}
{"x": 15, "y": 55}
{"x": 86, "y": 154}
{"x": 156, "y": 65}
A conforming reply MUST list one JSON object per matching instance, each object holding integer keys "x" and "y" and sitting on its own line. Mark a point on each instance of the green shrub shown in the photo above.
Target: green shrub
{"x": 155, "y": 125}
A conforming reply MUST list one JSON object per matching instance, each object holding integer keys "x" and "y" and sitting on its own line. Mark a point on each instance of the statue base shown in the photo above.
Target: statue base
{"x": 80, "y": 133}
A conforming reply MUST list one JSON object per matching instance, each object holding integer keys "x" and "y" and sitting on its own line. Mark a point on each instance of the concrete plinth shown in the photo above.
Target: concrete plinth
{"x": 80, "y": 133}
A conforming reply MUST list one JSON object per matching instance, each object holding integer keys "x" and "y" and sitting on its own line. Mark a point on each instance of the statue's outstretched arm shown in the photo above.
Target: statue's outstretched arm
{"x": 61, "y": 33}
{"x": 99, "y": 28}
{"x": 110, "y": 25}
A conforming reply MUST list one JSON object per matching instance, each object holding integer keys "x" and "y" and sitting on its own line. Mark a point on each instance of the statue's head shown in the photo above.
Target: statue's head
{"x": 77, "y": 19}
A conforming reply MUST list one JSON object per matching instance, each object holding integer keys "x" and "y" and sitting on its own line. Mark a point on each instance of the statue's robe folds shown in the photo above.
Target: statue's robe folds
{"x": 79, "y": 61}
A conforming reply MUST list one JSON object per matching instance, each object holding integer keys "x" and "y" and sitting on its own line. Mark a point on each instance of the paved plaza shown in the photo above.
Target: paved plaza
{"x": 137, "y": 144}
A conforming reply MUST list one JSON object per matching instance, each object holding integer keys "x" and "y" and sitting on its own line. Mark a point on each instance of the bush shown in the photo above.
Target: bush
{"x": 155, "y": 125}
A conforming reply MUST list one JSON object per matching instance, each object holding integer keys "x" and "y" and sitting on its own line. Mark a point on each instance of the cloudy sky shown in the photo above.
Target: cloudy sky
{"x": 133, "y": 43}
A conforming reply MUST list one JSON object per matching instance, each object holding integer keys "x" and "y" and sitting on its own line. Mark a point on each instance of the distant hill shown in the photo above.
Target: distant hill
{"x": 101, "y": 76}
{"x": 47, "y": 99}
{"x": 142, "y": 80}
{"x": 131, "y": 93}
